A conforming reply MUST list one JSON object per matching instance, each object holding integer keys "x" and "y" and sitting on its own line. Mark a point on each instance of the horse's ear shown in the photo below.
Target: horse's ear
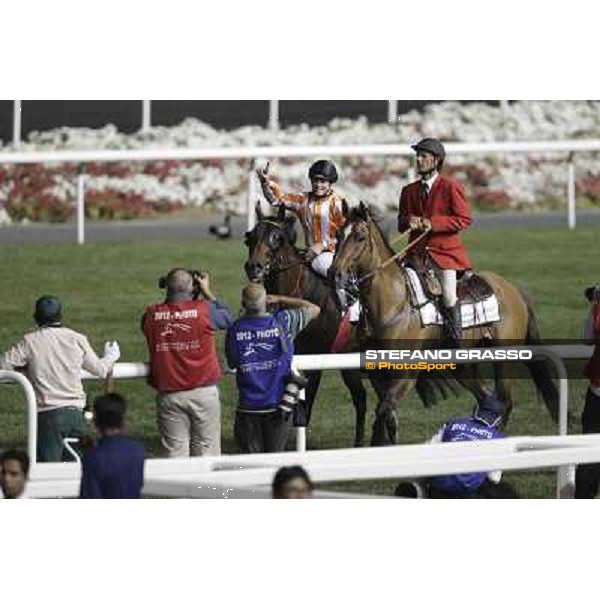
{"x": 281, "y": 213}
{"x": 345, "y": 210}
{"x": 259, "y": 212}
{"x": 361, "y": 212}
{"x": 365, "y": 210}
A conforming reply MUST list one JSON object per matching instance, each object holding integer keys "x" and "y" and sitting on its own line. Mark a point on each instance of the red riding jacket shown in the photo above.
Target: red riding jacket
{"x": 448, "y": 210}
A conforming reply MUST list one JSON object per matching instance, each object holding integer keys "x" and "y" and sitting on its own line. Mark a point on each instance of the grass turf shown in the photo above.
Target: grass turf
{"x": 105, "y": 287}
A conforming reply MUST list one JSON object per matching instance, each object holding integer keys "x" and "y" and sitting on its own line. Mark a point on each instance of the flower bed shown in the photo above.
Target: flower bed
{"x": 129, "y": 190}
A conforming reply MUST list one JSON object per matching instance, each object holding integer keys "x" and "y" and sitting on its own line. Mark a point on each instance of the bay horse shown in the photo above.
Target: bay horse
{"x": 389, "y": 315}
{"x": 275, "y": 261}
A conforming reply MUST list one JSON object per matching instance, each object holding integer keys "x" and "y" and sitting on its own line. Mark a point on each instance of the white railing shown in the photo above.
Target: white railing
{"x": 569, "y": 147}
{"x": 249, "y": 152}
{"x": 555, "y": 354}
{"x": 30, "y": 401}
{"x": 250, "y": 476}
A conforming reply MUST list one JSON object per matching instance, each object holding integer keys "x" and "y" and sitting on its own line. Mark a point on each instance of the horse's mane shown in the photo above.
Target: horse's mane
{"x": 361, "y": 214}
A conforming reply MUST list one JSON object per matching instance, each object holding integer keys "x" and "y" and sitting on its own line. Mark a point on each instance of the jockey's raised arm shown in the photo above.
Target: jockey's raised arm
{"x": 275, "y": 195}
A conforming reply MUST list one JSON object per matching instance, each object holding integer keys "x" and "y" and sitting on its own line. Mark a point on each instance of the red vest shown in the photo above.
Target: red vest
{"x": 449, "y": 212}
{"x": 181, "y": 343}
{"x": 592, "y": 370}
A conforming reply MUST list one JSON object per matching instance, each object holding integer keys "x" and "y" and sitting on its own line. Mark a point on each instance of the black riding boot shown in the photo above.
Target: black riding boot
{"x": 453, "y": 324}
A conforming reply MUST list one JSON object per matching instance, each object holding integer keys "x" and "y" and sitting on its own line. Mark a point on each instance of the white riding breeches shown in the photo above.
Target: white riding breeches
{"x": 320, "y": 264}
{"x": 449, "y": 287}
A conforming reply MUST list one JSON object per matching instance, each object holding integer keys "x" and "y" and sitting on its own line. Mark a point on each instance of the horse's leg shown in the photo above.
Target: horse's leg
{"x": 385, "y": 426}
{"x": 467, "y": 375}
{"x": 504, "y": 388}
{"x": 353, "y": 381}
{"x": 314, "y": 380}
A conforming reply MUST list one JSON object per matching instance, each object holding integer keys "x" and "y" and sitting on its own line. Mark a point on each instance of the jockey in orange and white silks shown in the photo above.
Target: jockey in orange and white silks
{"x": 322, "y": 212}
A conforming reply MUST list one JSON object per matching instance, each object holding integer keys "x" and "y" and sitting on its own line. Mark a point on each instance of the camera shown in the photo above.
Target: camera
{"x": 162, "y": 281}
{"x": 291, "y": 394}
{"x": 592, "y": 293}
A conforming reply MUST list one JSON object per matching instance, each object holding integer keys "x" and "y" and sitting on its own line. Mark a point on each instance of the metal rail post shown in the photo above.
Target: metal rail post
{"x": 17, "y": 123}
{"x": 571, "y": 197}
{"x": 81, "y": 207}
{"x": 273, "y": 115}
{"x": 31, "y": 410}
{"x": 392, "y": 112}
{"x": 146, "y": 115}
{"x": 565, "y": 476}
{"x": 300, "y": 431}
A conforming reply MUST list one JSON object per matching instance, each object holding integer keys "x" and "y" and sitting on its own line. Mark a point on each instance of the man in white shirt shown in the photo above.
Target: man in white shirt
{"x": 14, "y": 470}
{"x": 53, "y": 356}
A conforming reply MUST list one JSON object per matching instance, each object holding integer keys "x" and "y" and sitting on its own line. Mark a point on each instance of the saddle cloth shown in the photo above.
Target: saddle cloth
{"x": 473, "y": 314}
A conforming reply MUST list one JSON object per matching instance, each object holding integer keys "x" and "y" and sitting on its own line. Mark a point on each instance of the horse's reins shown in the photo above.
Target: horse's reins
{"x": 302, "y": 261}
{"x": 278, "y": 269}
{"x": 394, "y": 257}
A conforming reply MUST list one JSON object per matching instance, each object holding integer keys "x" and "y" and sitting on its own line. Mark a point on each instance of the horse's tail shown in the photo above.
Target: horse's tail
{"x": 540, "y": 369}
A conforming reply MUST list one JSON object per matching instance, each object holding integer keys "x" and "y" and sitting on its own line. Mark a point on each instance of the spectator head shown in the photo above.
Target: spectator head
{"x": 406, "y": 489}
{"x": 292, "y": 483}
{"x": 14, "y": 470}
{"x": 254, "y": 299}
{"x": 48, "y": 311}
{"x": 180, "y": 285}
{"x": 489, "y": 410}
{"x": 109, "y": 412}
{"x": 592, "y": 293}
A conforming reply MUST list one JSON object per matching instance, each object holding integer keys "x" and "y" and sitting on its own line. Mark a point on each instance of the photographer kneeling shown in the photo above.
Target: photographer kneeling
{"x": 260, "y": 347}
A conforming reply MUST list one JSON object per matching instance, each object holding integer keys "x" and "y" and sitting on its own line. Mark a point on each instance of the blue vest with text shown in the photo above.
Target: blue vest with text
{"x": 463, "y": 430}
{"x": 262, "y": 359}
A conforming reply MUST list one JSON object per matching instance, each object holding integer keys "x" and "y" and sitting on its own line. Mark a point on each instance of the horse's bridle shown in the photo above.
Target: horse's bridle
{"x": 274, "y": 267}
{"x": 361, "y": 280}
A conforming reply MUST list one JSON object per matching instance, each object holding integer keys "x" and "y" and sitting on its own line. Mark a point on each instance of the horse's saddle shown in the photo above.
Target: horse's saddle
{"x": 470, "y": 287}
{"x": 476, "y": 298}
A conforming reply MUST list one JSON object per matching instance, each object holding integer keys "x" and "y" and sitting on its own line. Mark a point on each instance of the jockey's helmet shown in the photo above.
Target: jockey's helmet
{"x": 48, "y": 310}
{"x": 489, "y": 410}
{"x": 431, "y": 145}
{"x": 325, "y": 169}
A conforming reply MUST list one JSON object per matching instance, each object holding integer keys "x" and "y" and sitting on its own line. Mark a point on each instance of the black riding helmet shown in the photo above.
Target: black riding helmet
{"x": 48, "y": 310}
{"x": 325, "y": 169}
{"x": 433, "y": 146}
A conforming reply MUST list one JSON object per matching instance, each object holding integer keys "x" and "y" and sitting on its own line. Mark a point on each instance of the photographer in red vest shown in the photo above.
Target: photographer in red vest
{"x": 438, "y": 204}
{"x": 587, "y": 479}
{"x": 184, "y": 369}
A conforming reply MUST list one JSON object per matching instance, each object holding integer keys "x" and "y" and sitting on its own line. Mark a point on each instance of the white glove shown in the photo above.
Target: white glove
{"x": 112, "y": 351}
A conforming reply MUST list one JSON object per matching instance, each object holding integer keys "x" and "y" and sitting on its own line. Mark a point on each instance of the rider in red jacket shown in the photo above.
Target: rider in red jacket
{"x": 438, "y": 204}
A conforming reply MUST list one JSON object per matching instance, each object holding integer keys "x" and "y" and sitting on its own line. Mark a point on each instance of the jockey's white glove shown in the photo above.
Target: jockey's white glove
{"x": 112, "y": 351}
